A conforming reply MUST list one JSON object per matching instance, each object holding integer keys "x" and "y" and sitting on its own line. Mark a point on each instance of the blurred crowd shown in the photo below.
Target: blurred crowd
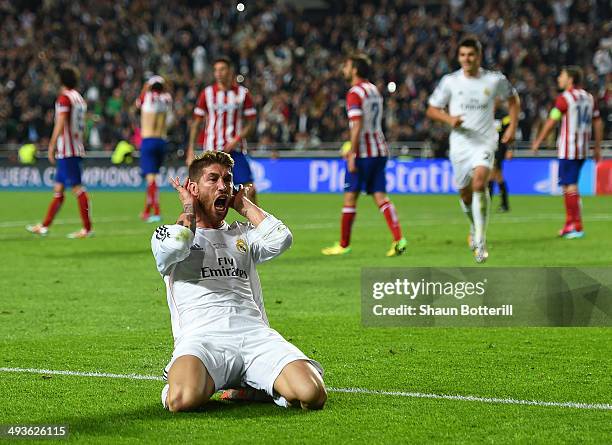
{"x": 289, "y": 59}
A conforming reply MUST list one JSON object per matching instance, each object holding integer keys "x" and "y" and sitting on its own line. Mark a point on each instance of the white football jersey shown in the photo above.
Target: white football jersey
{"x": 211, "y": 280}
{"x": 472, "y": 98}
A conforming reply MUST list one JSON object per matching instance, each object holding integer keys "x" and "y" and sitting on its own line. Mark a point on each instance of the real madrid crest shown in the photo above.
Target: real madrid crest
{"x": 241, "y": 245}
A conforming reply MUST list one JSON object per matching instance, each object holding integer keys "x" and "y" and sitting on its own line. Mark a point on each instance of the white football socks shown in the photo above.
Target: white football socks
{"x": 164, "y": 396}
{"x": 468, "y": 212}
{"x": 480, "y": 213}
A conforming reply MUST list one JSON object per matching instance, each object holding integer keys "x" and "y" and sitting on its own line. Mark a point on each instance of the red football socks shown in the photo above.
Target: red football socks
{"x": 388, "y": 209}
{"x": 83, "y": 201}
{"x": 54, "y": 207}
{"x": 572, "y": 210}
{"x": 348, "y": 216}
{"x": 152, "y": 199}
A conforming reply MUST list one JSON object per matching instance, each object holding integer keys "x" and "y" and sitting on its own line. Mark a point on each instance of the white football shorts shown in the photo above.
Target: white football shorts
{"x": 255, "y": 356}
{"x": 465, "y": 159}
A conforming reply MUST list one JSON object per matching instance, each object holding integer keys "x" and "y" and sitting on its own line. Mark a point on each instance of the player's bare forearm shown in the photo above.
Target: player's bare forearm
{"x": 356, "y": 126}
{"x": 439, "y": 115}
{"x": 245, "y": 207}
{"x": 58, "y": 128}
{"x": 254, "y": 214}
{"x": 188, "y": 217}
{"x": 598, "y": 133}
{"x": 548, "y": 126}
{"x": 514, "y": 108}
{"x": 248, "y": 129}
{"x": 193, "y": 132}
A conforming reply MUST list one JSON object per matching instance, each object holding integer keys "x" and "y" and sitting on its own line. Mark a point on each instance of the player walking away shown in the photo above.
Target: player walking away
{"x": 504, "y": 151}
{"x": 67, "y": 150}
{"x": 577, "y": 110}
{"x": 224, "y": 104}
{"x": 222, "y": 338}
{"x": 366, "y": 161}
{"x": 465, "y": 100}
{"x": 155, "y": 105}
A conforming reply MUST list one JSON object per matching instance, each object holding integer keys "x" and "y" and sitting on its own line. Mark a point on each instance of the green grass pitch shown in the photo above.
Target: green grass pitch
{"x": 99, "y": 305}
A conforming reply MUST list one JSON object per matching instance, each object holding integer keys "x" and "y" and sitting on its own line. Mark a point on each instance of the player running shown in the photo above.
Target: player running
{"x": 224, "y": 104}
{"x": 469, "y": 94}
{"x": 67, "y": 150}
{"x": 577, "y": 110}
{"x": 503, "y": 152}
{"x": 155, "y": 106}
{"x": 366, "y": 161}
{"x": 222, "y": 338}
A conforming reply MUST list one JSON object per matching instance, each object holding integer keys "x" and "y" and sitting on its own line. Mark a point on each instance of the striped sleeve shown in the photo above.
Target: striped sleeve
{"x": 249, "y": 108}
{"x": 201, "y": 109}
{"x": 561, "y": 103}
{"x": 63, "y": 104}
{"x": 354, "y": 103}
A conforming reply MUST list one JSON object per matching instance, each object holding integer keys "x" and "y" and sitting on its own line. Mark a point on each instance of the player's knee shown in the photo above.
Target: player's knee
{"x": 185, "y": 399}
{"x": 312, "y": 394}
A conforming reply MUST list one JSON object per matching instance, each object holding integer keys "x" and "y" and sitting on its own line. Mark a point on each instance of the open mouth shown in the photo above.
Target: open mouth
{"x": 221, "y": 203}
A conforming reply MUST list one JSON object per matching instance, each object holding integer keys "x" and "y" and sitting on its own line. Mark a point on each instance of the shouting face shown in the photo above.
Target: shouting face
{"x": 214, "y": 192}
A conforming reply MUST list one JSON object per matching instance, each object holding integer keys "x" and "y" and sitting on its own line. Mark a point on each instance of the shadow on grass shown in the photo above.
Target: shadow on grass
{"x": 140, "y": 420}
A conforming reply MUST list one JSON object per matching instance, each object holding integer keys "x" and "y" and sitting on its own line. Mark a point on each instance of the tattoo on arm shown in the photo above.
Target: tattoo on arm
{"x": 187, "y": 218}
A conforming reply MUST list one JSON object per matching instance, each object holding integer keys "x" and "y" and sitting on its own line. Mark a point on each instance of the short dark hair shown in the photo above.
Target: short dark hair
{"x": 158, "y": 87}
{"x": 362, "y": 63}
{"x": 471, "y": 42}
{"x": 575, "y": 72}
{"x": 69, "y": 76}
{"x": 223, "y": 59}
{"x": 196, "y": 168}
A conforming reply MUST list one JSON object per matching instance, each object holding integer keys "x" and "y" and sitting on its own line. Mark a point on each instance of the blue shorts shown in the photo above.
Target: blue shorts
{"x": 68, "y": 171}
{"x": 242, "y": 170}
{"x": 152, "y": 152}
{"x": 569, "y": 171}
{"x": 370, "y": 176}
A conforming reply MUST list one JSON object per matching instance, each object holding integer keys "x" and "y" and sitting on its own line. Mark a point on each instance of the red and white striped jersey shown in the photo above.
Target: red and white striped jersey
{"x": 154, "y": 102}
{"x": 70, "y": 141}
{"x": 224, "y": 110}
{"x": 579, "y": 109}
{"x": 364, "y": 101}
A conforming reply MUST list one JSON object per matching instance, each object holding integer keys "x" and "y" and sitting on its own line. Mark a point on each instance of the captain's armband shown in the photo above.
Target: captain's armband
{"x": 555, "y": 114}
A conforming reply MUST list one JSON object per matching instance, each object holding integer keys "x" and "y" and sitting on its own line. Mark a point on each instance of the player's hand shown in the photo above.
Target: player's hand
{"x": 231, "y": 145}
{"x": 597, "y": 155}
{"x": 508, "y": 136}
{"x": 183, "y": 190}
{"x": 51, "y": 157}
{"x": 456, "y": 121}
{"x": 351, "y": 164}
{"x": 509, "y": 155}
{"x": 535, "y": 146}
{"x": 240, "y": 193}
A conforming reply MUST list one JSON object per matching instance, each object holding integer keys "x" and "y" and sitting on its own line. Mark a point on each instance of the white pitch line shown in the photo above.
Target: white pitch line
{"x": 8, "y": 224}
{"x": 416, "y": 395}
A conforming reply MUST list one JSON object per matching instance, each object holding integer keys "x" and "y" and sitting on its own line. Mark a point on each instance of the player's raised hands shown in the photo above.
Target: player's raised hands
{"x": 185, "y": 195}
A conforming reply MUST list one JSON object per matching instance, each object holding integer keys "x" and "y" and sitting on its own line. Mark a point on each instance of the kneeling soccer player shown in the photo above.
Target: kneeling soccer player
{"x": 222, "y": 338}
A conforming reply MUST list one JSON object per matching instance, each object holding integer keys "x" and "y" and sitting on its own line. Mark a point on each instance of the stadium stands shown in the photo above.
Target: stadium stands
{"x": 288, "y": 58}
